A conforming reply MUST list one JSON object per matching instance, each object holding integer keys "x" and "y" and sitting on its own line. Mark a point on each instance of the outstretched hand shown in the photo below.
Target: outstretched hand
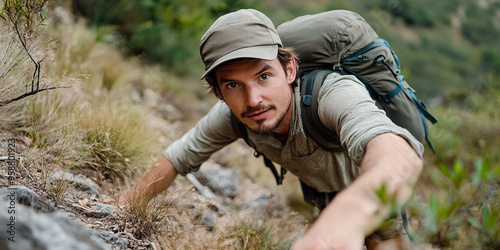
{"x": 330, "y": 235}
{"x": 155, "y": 181}
{"x": 320, "y": 242}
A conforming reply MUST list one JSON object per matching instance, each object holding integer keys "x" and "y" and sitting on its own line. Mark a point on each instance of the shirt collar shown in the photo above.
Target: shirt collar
{"x": 296, "y": 126}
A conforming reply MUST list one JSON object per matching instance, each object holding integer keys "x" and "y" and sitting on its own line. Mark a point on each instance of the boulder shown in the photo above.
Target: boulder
{"x": 222, "y": 181}
{"x": 111, "y": 238}
{"x": 34, "y": 223}
{"x": 77, "y": 183}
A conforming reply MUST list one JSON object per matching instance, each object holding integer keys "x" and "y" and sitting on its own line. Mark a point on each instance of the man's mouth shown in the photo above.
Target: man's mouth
{"x": 258, "y": 115}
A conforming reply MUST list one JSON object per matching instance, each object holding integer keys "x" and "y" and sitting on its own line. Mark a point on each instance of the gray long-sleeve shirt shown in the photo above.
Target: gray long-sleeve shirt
{"x": 344, "y": 106}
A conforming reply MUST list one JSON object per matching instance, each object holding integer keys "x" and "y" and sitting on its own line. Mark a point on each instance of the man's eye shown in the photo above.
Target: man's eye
{"x": 264, "y": 77}
{"x": 231, "y": 85}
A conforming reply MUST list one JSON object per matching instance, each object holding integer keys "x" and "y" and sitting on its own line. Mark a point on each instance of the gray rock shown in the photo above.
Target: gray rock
{"x": 222, "y": 181}
{"x": 103, "y": 208}
{"x": 78, "y": 183}
{"x": 209, "y": 221}
{"x": 21, "y": 195}
{"x": 30, "y": 224}
{"x": 258, "y": 202}
{"x": 111, "y": 238}
{"x": 95, "y": 210}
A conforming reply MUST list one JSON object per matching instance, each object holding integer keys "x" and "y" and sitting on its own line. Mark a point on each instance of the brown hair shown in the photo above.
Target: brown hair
{"x": 285, "y": 55}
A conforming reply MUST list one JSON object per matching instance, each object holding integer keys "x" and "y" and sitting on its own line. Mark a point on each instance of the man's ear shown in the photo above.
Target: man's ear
{"x": 291, "y": 71}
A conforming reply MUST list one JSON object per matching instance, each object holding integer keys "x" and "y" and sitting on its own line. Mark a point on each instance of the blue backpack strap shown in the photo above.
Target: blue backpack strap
{"x": 359, "y": 56}
{"x": 422, "y": 108}
{"x": 373, "y": 92}
{"x": 424, "y": 113}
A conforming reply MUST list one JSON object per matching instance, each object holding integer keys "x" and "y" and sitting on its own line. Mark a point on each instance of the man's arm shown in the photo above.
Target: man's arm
{"x": 356, "y": 212}
{"x": 155, "y": 181}
{"x": 211, "y": 133}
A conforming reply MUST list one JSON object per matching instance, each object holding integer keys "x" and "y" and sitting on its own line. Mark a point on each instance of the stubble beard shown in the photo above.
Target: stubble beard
{"x": 262, "y": 129}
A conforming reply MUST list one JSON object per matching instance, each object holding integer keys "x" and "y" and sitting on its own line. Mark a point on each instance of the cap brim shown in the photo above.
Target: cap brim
{"x": 265, "y": 52}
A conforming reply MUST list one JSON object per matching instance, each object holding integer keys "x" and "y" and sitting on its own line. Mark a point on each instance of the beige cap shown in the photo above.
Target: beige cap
{"x": 245, "y": 33}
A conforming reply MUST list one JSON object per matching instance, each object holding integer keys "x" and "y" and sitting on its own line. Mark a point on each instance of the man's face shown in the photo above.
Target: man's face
{"x": 259, "y": 93}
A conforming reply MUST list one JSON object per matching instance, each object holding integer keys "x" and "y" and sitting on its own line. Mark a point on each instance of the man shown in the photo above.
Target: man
{"x": 255, "y": 78}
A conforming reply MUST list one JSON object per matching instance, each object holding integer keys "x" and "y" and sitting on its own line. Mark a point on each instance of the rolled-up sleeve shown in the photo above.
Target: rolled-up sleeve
{"x": 346, "y": 107}
{"x": 211, "y": 133}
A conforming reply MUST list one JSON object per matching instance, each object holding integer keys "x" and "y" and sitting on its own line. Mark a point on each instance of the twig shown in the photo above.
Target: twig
{"x": 206, "y": 192}
{"x": 37, "y": 65}
{"x": 5, "y": 158}
{"x": 153, "y": 245}
{"x": 36, "y": 73}
{"x": 25, "y": 170}
{"x": 3, "y": 103}
{"x": 20, "y": 160}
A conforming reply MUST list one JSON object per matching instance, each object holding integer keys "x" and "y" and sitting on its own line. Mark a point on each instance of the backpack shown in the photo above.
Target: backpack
{"x": 342, "y": 41}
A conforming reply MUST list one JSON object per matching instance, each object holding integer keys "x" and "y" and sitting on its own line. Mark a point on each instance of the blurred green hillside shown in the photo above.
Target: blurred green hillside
{"x": 447, "y": 46}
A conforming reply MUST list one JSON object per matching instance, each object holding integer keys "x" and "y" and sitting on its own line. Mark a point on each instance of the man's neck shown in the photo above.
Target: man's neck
{"x": 281, "y": 133}
{"x": 281, "y": 137}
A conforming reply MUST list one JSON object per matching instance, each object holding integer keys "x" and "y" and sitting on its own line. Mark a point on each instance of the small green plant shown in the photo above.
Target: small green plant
{"x": 254, "y": 235}
{"x": 462, "y": 211}
{"x": 57, "y": 189}
{"x": 388, "y": 199}
{"x": 24, "y": 15}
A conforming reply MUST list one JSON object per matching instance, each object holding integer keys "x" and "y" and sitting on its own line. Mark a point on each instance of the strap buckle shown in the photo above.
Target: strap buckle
{"x": 338, "y": 68}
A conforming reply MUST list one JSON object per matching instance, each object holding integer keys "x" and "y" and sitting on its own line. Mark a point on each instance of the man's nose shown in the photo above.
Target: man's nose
{"x": 253, "y": 95}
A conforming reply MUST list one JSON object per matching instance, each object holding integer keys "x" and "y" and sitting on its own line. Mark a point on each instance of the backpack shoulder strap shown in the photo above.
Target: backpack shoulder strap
{"x": 359, "y": 56}
{"x": 309, "y": 89}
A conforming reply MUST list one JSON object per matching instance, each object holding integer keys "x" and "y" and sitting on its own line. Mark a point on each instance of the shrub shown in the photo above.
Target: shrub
{"x": 462, "y": 209}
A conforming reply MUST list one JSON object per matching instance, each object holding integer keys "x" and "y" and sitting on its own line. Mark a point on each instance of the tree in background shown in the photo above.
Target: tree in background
{"x": 163, "y": 31}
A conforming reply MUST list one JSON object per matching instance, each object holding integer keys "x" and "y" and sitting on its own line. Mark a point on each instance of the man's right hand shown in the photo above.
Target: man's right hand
{"x": 122, "y": 201}
{"x": 155, "y": 181}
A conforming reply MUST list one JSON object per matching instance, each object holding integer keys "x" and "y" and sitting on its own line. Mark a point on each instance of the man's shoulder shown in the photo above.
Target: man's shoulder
{"x": 218, "y": 118}
{"x": 335, "y": 78}
{"x": 337, "y": 84}
{"x": 220, "y": 109}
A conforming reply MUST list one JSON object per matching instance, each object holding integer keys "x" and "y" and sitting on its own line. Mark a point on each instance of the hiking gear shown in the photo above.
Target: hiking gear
{"x": 245, "y": 33}
{"x": 315, "y": 198}
{"x": 342, "y": 41}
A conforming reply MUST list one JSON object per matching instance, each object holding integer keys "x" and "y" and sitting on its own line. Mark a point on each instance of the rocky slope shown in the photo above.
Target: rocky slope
{"x": 48, "y": 207}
